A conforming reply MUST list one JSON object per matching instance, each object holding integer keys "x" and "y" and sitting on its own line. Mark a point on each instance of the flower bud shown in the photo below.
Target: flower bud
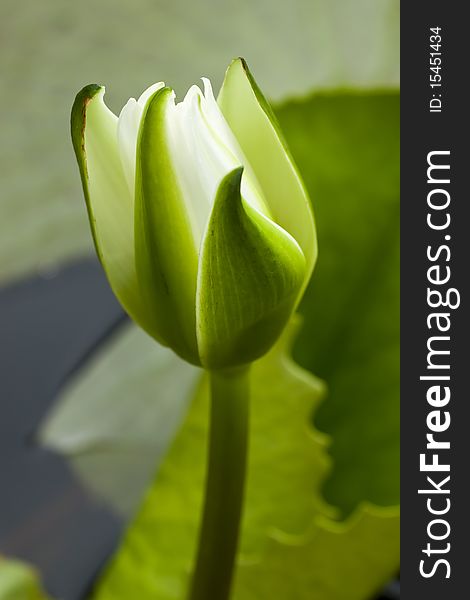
{"x": 199, "y": 217}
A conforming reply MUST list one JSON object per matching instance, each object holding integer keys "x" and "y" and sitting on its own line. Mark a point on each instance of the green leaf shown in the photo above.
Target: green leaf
{"x": 284, "y": 515}
{"x": 19, "y": 581}
{"x": 347, "y": 148}
{"x": 115, "y": 419}
{"x": 251, "y": 272}
{"x": 293, "y": 48}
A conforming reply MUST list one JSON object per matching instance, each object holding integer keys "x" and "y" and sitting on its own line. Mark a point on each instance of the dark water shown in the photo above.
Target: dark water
{"x": 47, "y": 327}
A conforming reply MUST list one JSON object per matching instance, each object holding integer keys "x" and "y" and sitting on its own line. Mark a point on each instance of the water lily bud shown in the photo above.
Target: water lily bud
{"x": 199, "y": 217}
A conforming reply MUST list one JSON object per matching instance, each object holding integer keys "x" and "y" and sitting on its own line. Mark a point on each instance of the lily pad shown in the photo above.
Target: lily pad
{"x": 19, "y": 581}
{"x": 347, "y": 149}
{"x": 117, "y": 417}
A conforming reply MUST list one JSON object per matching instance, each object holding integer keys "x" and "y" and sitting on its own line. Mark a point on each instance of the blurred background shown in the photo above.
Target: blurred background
{"x": 71, "y": 474}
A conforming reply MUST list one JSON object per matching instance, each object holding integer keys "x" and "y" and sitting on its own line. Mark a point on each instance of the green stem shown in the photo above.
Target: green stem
{"x": 226, "y": 470}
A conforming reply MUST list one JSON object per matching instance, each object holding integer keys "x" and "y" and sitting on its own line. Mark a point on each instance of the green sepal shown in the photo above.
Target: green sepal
{"x": 77, "y": 128}
{"x": 166, "y": 255}
{"x": 109, "y": 202}
{"x": 255, "y": 126}
{"x": 249, "y": 279}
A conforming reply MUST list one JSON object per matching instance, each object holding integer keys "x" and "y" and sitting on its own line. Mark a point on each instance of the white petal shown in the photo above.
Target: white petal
{"x": 250, "y": 188}
{"x": 128, "y": 130}
{"x": 142, "y": 101}
{"x": 203, "y": 151}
